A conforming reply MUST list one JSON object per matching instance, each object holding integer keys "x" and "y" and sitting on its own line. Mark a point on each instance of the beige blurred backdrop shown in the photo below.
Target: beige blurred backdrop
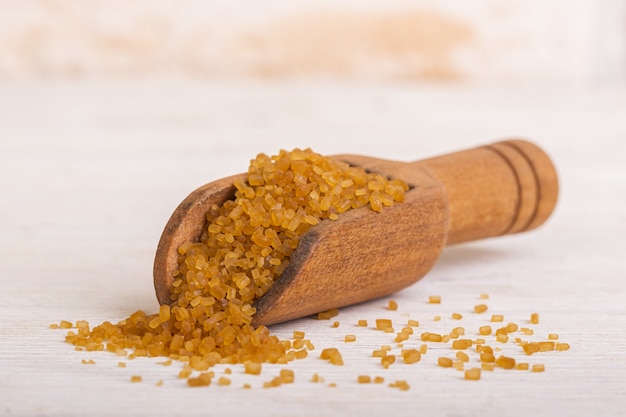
{"x": 466, "y": 41}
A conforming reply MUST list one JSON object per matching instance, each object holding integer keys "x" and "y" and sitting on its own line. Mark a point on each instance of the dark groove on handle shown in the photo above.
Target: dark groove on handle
{"x": 532, "y": 217}
{"x": 519, "y": 188}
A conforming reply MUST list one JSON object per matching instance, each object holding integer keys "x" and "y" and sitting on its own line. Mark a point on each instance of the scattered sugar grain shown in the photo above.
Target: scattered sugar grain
{"x": 462, "y": 344}
{"x": 456, "y": 332}
{"x": 364, "y": 379}
{"x": 534, "y": 318}
{"x": 502, "y": 338}
{"x": 487, "y": 366}
{"x": 431, "y": 337}
{"x": 530, "y": 348}
{"x": 384, "y": 324}
{"x": 287, "y": 376}
{"x": 512, "y": 327}
{"x": 223, "y": 381}
{"x": 332, "y": 355}
{"x": 434, "y": 299}
{"x": 402, "y": 336}
{"x": 251, "y": 367}
{"x": 301, "y": 354}
{"x": 401, "y": 385}
{"x": 387, "y": 361}
{"x": 487, "y": 357}
{"x": 480, "y": 308}
{"x": 505, "y": 362}
{"x": 472, "y": 374}
{"x": 379, "y": 353}
{"x": 444, "y": 362}
{"x": 64, "y": 324}
{"x": 316, "y": 378}
{"x": 411, "y": 356}
{"x": 484, "y": 330}
{"x": 327, "y": 315}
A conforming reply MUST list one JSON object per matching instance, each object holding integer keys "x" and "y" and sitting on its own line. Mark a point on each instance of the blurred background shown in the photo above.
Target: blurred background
{"x": 112, "y": 111}
{"x": 470, "y": 41}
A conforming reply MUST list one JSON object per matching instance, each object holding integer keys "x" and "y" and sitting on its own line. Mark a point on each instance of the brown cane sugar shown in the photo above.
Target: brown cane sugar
{"x": 434, "y": 299}
{"x": 480, "y": 308}
{"x": 246, "y": 245}
{"x": 472, "y": 374}
{"x": 387, "y": 360}
{"x": 332, "y": 355}
{"x": 485, "y": 351}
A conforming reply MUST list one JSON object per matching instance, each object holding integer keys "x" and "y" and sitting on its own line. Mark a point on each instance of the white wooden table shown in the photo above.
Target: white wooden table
{"x": 90, "y": 172}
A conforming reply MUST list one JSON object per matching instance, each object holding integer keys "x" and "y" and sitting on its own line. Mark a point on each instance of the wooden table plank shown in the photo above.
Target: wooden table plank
{"x": 90, "y": 173}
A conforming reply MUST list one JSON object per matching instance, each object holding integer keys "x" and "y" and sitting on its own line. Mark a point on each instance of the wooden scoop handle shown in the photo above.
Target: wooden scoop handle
{"x": 506, "y": 187}
{"x": 498, "y": 189}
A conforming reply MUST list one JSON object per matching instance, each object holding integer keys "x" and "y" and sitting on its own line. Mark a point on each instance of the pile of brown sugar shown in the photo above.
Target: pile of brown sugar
{"x": 246, "y": 245}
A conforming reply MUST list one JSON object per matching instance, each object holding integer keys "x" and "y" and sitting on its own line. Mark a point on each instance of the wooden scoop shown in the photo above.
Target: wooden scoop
{"x": 498, "y": 189}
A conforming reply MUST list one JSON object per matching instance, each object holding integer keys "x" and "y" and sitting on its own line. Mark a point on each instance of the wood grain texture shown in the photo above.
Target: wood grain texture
{"x": 497, "y": 189}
